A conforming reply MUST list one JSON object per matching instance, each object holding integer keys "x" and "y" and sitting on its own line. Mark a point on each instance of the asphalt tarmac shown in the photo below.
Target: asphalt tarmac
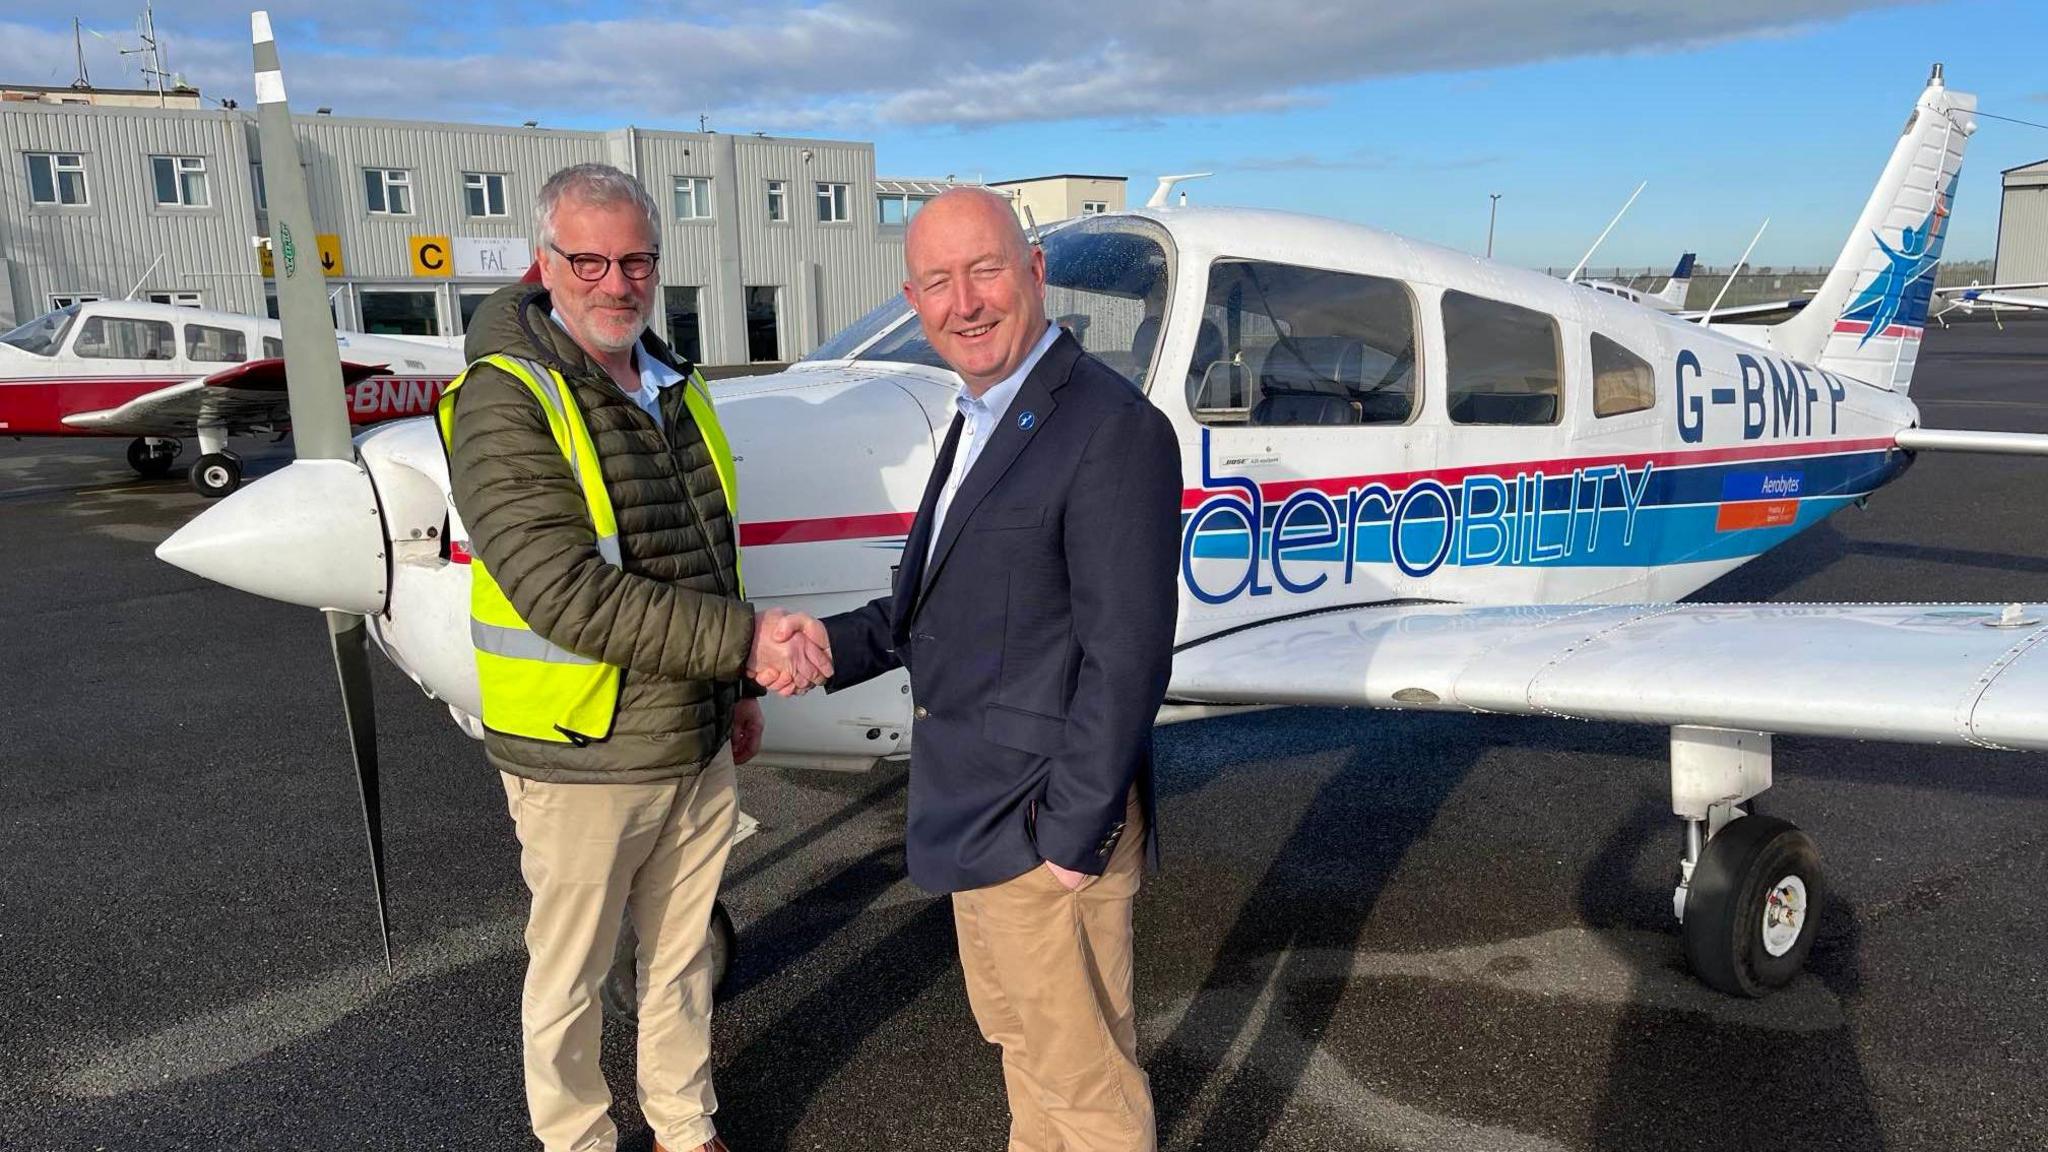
{"x": 1373, "y": 930}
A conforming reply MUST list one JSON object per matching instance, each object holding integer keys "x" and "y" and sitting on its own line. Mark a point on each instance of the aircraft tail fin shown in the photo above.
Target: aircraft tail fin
{"x": 1866, "y": 321}
{"x": 1680, "y": 283}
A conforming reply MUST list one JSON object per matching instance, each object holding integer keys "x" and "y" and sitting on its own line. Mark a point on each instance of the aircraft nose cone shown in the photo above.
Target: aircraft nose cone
{"x": 310, "y": 534}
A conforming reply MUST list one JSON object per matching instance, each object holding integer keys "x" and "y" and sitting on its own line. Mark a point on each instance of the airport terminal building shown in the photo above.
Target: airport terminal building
{"x": 769, "y": 245}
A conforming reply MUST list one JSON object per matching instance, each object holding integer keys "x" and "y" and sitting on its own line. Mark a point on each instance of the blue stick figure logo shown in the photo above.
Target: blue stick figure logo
{"x": 1901, "y": 292}
{"x": 1026, "y": 419}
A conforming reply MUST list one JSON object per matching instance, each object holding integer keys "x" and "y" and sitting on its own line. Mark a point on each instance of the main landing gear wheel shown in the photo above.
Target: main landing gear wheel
{"x": 216, "y": 474}
{"x": 620, "y": 993}
{"x": 152, "y": 458}
{"x": 1751, "y": 915}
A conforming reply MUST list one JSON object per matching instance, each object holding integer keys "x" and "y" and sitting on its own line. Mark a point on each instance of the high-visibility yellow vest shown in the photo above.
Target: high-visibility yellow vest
{"x": 531, "y": 687}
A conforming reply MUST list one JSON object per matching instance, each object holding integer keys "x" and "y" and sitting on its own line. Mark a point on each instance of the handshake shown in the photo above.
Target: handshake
{"x": 792, "y": 653}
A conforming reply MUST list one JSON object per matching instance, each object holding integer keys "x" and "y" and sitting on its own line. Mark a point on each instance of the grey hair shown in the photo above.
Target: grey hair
{"x": 592, "y": 185}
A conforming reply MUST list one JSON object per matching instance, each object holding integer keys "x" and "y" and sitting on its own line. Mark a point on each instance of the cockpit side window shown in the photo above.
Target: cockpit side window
{"x": 1286, "y": 345}
{"x": 1501, "y": 362}
{"x": 1622, "y": 381}
{"x": 125, "y": 338}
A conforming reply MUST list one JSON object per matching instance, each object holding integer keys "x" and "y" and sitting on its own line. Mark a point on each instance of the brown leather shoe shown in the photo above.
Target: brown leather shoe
{"x": 716, "y": 1145}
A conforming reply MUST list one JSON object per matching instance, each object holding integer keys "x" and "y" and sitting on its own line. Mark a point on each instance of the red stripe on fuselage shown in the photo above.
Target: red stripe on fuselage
{"x": 1857, "y": 328}
{"x": 825, "y": 528}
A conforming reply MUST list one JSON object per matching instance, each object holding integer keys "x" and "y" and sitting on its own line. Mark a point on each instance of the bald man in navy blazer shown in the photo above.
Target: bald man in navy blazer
{"x": 1034, "y": 608}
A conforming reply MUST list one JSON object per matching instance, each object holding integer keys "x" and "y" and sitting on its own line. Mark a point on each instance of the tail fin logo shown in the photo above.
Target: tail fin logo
{"x": 1901, "y": 292}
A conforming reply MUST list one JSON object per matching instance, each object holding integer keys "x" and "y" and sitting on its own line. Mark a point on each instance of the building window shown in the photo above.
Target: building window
{"x": 204, "y": 342}
{"x": 125, "y": 338}
{"x": 469, "y": 300}
{"x": 1622, "y": 381}
{"x": 400, "y": 312}
{"x": 1501, "y": 362}
{"x": 685, "y": 323}
{"x": 834, "y": 201}
{"x": 180, "y": 181}
{"x": 273, "y": 348}
{"x": 778, "y": 200}
{"x": 484, "y": 192}
{"x": 897, "y": 208}
{"x": 764, "y": 336}
{"x": 67, "y": 299}
{"x": 693, "y": 198}
{"x": 256, "y": 186}
{"x": 56, "y": 178}
{"x": 388, "y": 191}
{"x": 180, "y": 299}
{"x": 1094, "y": 207}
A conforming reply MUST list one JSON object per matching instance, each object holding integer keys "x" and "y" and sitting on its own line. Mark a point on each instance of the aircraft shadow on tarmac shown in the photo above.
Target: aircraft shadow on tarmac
{"x": 1293, "y": 1015}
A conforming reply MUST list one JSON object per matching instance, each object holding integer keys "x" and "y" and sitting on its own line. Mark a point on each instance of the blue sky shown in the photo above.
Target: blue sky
{"x": 1397, "y": 115}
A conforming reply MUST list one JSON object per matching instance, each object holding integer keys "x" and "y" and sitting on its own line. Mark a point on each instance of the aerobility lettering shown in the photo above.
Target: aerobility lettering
{"x": 1774, "y": 397}
{"x": 1237, "y": 542}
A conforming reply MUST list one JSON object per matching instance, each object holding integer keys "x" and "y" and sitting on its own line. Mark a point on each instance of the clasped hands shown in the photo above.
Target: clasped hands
{"x": 792, "y": 653}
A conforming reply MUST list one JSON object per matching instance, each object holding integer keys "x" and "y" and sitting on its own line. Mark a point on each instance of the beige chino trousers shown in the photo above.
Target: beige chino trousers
{"x": 1049, "y": 976}
{"x": 590, "y": 854}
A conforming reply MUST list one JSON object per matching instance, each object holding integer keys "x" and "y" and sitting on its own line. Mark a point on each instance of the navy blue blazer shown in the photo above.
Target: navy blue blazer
{"x": 1040, "y": 638}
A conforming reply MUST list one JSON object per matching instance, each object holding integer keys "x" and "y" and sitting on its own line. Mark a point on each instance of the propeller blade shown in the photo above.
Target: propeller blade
{"x": 313, "y": 381}
{"x": 350, "y": 637}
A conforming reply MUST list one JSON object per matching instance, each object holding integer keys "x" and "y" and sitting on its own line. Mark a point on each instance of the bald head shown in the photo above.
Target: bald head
{"x": 977, "y": 284}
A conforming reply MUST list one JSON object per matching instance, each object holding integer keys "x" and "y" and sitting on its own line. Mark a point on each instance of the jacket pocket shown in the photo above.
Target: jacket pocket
{"x": 996, "y": 519}
{"x": 1024, "y": 731}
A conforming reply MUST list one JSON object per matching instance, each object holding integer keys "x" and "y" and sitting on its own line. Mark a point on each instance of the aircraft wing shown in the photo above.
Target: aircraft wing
{"x": 1750, "y": 313}
{"x": 239, "y": 398}
{"x": 1987, "y": 296}
{"x": 1913, "y": 673}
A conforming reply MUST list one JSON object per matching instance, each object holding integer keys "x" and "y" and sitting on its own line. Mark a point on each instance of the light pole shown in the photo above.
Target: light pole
{"x": 1492, "y": 210}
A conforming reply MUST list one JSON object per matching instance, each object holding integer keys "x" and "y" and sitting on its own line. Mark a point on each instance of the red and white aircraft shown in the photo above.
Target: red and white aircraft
{"x": 161, "y": 373}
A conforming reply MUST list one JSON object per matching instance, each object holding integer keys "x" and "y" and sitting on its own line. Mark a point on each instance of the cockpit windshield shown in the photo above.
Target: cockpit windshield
{"x": 44, "y": 334}
{"x": 1105, "y": 282}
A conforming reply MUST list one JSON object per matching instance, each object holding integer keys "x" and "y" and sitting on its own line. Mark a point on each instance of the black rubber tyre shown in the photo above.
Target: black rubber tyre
{"x": 1756, "y": 866}
{"x": 148, "y": 460}
{"x": 216, "y": 474}
{"x": 620, "y": 993}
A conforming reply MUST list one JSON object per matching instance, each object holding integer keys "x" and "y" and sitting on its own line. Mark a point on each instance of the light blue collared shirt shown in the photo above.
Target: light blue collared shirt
{"x": 654, "y": 376}
{"x": 982, "y": 415}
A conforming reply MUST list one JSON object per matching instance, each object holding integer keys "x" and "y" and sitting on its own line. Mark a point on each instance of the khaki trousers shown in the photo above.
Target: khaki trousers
{"x": 592, "y": 853}
{"x": 1049, "y": 976}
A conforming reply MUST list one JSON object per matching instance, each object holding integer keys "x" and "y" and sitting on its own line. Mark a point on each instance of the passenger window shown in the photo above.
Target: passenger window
{"x": 1282, "y": 345}
{"x": 125, "y": 338}
{"x": 215, "y": 345}
{"x": 1501, "y": 362}
{"x": 273, "y": 348}
{"x": 1622, "y": 380}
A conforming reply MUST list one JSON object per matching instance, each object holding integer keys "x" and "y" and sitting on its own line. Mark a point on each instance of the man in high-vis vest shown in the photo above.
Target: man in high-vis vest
{"x": 614, "y": 645}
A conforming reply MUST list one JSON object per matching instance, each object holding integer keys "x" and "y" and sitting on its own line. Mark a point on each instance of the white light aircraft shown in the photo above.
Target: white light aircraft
{"x": 1669, "y": 299}
{"x": 160, "y": 374}
{"x": 1967, "y": 298}
{"x": 1414, "y": 479}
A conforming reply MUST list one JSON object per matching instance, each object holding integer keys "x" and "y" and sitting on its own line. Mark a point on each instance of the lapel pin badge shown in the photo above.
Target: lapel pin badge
{"x": 1026, "y": 420}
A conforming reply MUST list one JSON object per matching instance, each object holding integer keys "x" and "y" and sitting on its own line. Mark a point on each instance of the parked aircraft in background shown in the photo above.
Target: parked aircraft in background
{"x": 1970, "y": 297}
{"x": 1670, "y": 298}
{"x": 162, "y": 374}
{"x": 1414, "y": 479}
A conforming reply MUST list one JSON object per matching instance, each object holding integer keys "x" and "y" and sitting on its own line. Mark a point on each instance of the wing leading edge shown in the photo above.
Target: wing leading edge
{"x": 1912, "y": 673}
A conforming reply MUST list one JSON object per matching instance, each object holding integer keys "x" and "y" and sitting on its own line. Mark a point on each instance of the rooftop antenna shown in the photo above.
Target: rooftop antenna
{"x": 83, "y": 81}
{"x": 703, "y": 122}
{"x": 1165, "y": 189}
{"x": 152, "y": 48}
{"x": 1030, "y": 225}
{"x": 1733, "y": 272}
{"x": 1581, "y": 265}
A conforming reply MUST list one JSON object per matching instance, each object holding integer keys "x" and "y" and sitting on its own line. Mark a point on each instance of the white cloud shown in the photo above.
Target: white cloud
{"x": 849, "y": 65}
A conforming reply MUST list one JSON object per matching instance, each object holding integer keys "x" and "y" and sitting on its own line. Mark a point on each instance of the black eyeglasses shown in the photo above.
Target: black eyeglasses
{"x": 592, "y": 266}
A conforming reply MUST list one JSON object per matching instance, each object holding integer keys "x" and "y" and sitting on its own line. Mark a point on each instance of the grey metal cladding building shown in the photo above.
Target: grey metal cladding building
{"x": 769, "y": 245}
{"x": 2023, "y": 225}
